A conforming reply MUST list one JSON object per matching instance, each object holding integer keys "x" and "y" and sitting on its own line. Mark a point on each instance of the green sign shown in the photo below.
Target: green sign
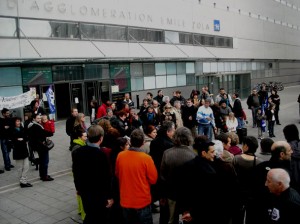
{"x": 36, "y": 75}
{"x": 120, "y": 75}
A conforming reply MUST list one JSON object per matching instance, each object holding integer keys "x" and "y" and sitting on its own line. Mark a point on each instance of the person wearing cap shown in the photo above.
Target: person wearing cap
{"x": 284, "y": 204}
{"x": 206, "y": 120}
{"x": 198, "y": 188}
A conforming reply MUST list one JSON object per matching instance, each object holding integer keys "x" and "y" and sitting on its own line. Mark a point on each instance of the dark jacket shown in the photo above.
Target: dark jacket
{"x": 237, "y": 108}
{"x": 70, "y": 125}
{"x": 37, "y": 136}
{"x": 186, "y": 113}
{"x": 92, "y": 174}
{"x": 5, "y": 132}
{"x": 20, "y": 150}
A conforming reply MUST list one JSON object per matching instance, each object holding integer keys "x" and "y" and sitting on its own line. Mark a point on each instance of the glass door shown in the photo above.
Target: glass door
{"x": 77, "y": 99}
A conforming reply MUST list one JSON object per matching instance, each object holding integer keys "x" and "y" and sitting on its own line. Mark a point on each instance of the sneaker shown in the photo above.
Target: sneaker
{"x": 7, "y": 168}
{"x": 25, "y": 185}
{"x": 12, "y": 166}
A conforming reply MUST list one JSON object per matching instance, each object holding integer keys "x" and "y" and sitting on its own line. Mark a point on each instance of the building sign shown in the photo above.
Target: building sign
{"x": 217, "y": 25}
{"x": 133, "y": 13}
{"x": 21, "y": 100}
{"x": 36, "y": 76}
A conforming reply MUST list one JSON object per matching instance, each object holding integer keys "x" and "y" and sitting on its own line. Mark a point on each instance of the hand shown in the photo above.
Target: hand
{"x": 190, "y": 118}
{"x": 208, "y": 118}
{"x": 6, "y": 127}
{"x": 110, "y": 202}
{"x": 20, "y": 139}
{"x": 187, "y": 217}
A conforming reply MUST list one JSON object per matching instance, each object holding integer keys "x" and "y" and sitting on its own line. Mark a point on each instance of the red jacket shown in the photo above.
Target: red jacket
{"x": 102, "y": 111}
{"x": 49, "y": 126}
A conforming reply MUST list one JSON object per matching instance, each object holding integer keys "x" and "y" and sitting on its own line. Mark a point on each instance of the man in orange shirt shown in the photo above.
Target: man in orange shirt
{"x": 136, "y": 173}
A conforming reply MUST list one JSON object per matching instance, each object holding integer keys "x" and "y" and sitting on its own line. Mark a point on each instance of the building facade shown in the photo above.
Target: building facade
{"x": 103, "y": 48}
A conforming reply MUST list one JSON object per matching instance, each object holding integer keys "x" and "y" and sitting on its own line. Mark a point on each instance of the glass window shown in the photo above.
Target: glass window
{"x": 220, "y": 41}
{"x": 171, "y": 80}
{"x": 171, "y": 68}
{"x": 120, "y": 75}
{"x": 149, "y": 69}
{"x": 244, "y": 66}
{"x": 137, "y": 84}
{"x": 239, "y": 66}
{"x": 11, "y": 91}
{"x": 64, "y": 30}
{"x": 190, "y": 79}
{"x": 206, "y": 67}
{"x": 227, "y": 66}
{"x": 262, "y": 66}
{"x": 67, "y": 72}
{"x": 221, "y": 67}
{"x": 149, "y": 82}
{"x": 180, "y": 68}
{"x": 161, "y": 81}
{"x": 233, "y": 67}
{"x": 10, "y": 76}
{"x": 145, "y": 35}
{"x": 181, "y": 80}
{"x": 94, "y": 71}
{"x": 171, "y": 37}
{"x": 190, "y": 67}
{"x": 136, "y": 69}
{"x": 199, "y": 68}
{"x": 92, "y": 31}
{"x": 214, "y": 67}
{"x": 253, "y": 66}
{"x": 36, "y": 75}
{"x": 229, "y": 42}
{"x": 8, "y": 27}
{"x": 186, "y": 38}
{"x": 115, "y": 33}
{"x": 160, "y": 69}
{"x": 35, "y": 28}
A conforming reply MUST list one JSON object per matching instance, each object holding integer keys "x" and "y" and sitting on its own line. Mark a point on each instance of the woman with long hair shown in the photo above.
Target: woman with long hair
{"x": 79, "y": 124}
{"x": 150, "y": 133}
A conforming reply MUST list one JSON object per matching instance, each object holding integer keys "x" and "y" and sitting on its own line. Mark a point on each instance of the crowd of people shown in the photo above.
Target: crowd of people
{"x": 181, "y": 158}
{"x": 26, "y": 139}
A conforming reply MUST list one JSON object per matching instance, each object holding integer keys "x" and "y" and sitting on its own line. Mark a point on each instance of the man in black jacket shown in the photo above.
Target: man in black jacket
{"x": 5, "y": 125}
{"x": 237, "y": 109}
{"x": 92, "y": 177}
{"x": 189, "y": 116}
{"x": 70, "y": 123}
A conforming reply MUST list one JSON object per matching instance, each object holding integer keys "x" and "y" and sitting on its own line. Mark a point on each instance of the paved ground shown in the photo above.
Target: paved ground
{"x": 55, "y": 202}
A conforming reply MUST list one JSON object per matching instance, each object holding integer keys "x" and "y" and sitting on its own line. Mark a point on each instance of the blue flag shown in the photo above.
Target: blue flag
{"x": 50, "y": 98}
{"x": 263, "y": 109}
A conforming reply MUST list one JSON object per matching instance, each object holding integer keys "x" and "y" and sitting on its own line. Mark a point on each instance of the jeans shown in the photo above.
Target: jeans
{"x": 254, "y": 111}
{"x": 241, "y": 122}
{"x": 5, "y": 152}
{"x": 205, "y": 129}
{"x": 142, "y": 215}
{"x": 43, "y": 162}
{"x": 271, "y": 128}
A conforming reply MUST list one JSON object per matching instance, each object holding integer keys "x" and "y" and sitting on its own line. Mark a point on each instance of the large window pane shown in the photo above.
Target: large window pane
{"x": 161, "y": 81}
{"x": 181, "y": 80}
{"x": 36, "y": 75}
{"x": 120, "y": 75}
{"x": 92, "y": 31}
{"x": 198, "y": 68}
{"x": 149, "y": 82}
{"x": 10, "y": 76}
{"x": 94, "y": 71}
{"x": 67, "y": 72}
{"x": 137, "y": 84}
{"x": 171, "y": 68}
{"x": 190, "y": 67}
{"x": 160, "y": 69}
{"x": 171, "y": 80}
{"x": 180, "y": 68}
{"x": 8, "y": 27}
{"x": 64, "y": 30}
{"x": 206, "y": 67}
{"x": 136, "y": 69}
{"x": 171, "y": 37}
{"x": 145, "y": 35}
{"x": 190, "y": 79}
{"x": 35, "y": 28}
{"x": 186, "y": 38}
{"x": 115, "y": 33}
{"x": 149, "y": 69}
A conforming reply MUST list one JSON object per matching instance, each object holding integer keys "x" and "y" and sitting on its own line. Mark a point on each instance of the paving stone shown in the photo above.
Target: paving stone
{"x": 33, "y": 217}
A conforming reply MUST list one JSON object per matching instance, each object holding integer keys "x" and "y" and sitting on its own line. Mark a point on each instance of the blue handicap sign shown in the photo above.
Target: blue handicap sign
{"x": 217, "y": 26}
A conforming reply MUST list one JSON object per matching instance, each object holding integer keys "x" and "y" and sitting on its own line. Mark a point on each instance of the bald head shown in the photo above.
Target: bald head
{"x": 280, "y": 143}
{"x": 278, "y": 180}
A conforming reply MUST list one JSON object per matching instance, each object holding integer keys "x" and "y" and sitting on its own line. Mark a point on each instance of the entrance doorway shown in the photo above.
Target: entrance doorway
{"x": 77, "y": 98}
{"x": 62, "y": 100}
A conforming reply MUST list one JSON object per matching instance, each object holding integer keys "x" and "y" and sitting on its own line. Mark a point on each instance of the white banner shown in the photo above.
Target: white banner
{"x": 13, "y": 102}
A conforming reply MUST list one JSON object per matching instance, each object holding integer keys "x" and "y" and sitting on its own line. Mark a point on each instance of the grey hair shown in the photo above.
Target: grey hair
{"x": 183, "y": 136}
{"x": 280, "y": 175}
{"x": 218, "y": 148}
{"x": 177, "y": 102}
{"x": 165, "y": 98}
